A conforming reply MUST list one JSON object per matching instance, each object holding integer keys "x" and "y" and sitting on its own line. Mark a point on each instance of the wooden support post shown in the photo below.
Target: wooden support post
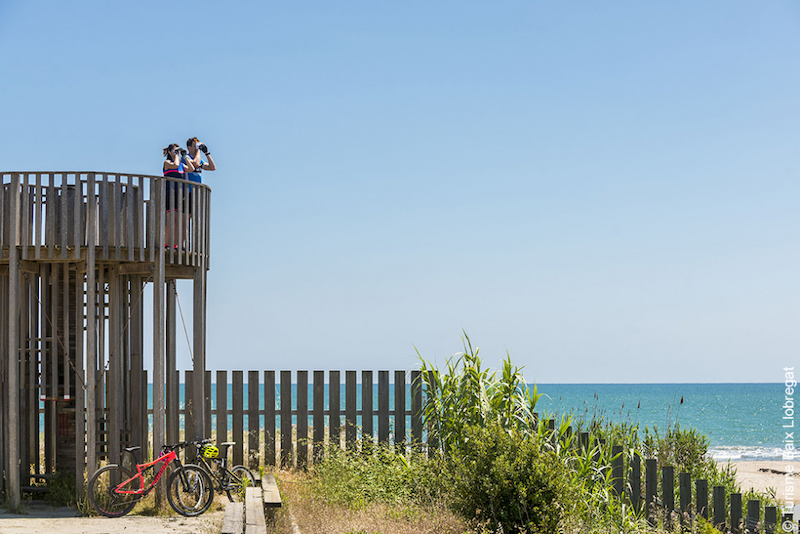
{"x": 302, "y": 419}
{"x": 286, "y": 419}
{"x": 12, "y": 373}
{"x": 650, "y": 488}
{"x": 115, "y": 391}
{"x": 199, "y": 347}
{"x": 269, "y": 418}
{"x": 188, "y": 396}
{"x": 617, "y": 470}
{"x": 173, "y": 385}
{"x": 159, "y": 336}
{"x": 253, "y": 387}
{"x": 80, "y": 393}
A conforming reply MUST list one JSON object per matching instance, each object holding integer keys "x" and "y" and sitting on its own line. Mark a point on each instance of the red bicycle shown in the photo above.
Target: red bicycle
{"x": 115, "y": 490}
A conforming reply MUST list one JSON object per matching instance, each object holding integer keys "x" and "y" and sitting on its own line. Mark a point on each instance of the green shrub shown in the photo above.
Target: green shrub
{"x": 503, "y": 479}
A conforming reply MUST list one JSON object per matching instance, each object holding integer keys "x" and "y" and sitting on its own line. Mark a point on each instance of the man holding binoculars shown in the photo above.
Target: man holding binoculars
{"x": 195, "y": 148}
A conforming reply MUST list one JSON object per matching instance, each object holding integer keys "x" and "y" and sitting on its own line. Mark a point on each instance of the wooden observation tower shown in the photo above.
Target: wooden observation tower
{"x": 76, "y": 252}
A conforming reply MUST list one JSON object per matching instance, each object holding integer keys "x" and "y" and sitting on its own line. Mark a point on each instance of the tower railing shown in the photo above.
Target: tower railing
{"x": 54, "y": 211}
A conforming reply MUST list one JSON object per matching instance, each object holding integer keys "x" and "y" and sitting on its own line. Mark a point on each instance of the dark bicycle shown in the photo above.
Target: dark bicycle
{"x": 114, "y": 490}
{"x": 231, "y": 481}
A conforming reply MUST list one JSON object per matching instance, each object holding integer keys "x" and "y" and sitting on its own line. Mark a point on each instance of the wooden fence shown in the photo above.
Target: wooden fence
{"x": 272, "y": 426}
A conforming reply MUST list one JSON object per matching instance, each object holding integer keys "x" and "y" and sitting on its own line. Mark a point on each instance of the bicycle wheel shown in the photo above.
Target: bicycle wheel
{"x": 240, "y": 478}
{"x": 104, "y": 491}
{"x": 189, "y": 490}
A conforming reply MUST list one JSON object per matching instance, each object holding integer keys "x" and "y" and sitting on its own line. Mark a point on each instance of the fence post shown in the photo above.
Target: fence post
{"x": 584, "y": 440}
{"x": 668, "y": 497}
{"x": 719, "y": 507}
{"x": 753, "y": 515}
{"x": 269, "y": 418}
{"x": 334, "y": 407}
{"x": 770, "y": 519}
{"x": 286, "y": 419}
{"x": 635, "y": 481}
{"x": 319, "y": 414}
{"x": 701, "y": 502}
{"x": 350, "y": 378}
{"x": 253, "y": 426}
{"x": 383, "y": 406}
{"x": 617, "y": 470}
{"x": 685, "y": 483}
{"x": 736, "y": 512}
{"x": 399, "y": 407}
{"x": 238, "y": 417}
{"x": 222, "y": 406}
{"x": 302, "y": 419}
{"x": 416, "y": 408}
{"x": 367, "y": 423}
{"x": 650, "y": 489}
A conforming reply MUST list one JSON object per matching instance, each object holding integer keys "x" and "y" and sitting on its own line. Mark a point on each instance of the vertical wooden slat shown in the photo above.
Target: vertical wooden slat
{"x": 104, "y": 222}
{"x": 199, "y": 344}
{"x": 222, "y": 407}
{"x": 668, "y": 492}
{"x": 617, "y": 470}
{"x": 753, "y": 515}
{"x": 269, "y": 418}
{"x": 173, "y": 377}
{"x": 635, "y": 482}
{"x": 207, "y": 406}
{"x": 238, "y": 417}
{"x": 302, "y": 419}
{"x": 50, "y": 217}
{"x": 77, "y": 203}
{"x": 367, "y": 427}
{"x": 650, "y": 488}
{"x": 12, "y": 372}
{"x": 64, "y": 219}
{"x": 334, "y": 407}
{"x": 80, "y": 396}
{"x": 188, "y": 401}
{"x": 701, "y": 501}
{"x": 350, "y": 409}
{"x": 116, "y": 208}
{"x": 770, "y": 519}
{"x": 253, "y": 390}
{"x": 66, "y": 323}
{"x": 720, "y": 513}
{"x": 685, "y": 488}
{"x": 159, "y": 338}
{"x": 50, "y": 406}
{"x": 319, "y": 414}
{"x": 383, "y": 406}
{"x": 25, "y": 216}
{"x": 91, "y": 335}
{"x": 399, "y": 407}
{"x": 114, "y": 414}
{"x": 130, "y": 218}
{"x": 736, "y": 513}
{"x": 416, "y": 407}
{"x": 286, "y": 419}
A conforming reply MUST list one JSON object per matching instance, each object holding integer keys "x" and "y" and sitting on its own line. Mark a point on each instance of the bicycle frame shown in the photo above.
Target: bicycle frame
{"x": 167, "y": 458}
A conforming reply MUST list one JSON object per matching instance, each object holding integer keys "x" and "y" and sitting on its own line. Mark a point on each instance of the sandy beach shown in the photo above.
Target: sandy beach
{"x": 761, "y": 476}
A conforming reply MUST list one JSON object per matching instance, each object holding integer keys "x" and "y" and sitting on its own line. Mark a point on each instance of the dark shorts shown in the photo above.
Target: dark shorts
{"x": 179, "y": 193}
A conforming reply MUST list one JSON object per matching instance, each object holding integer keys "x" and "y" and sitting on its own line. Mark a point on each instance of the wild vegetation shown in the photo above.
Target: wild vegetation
{"x": 492, "y": 467}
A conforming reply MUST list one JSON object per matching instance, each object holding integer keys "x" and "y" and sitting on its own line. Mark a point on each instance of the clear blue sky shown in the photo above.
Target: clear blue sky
{"x": 607, "y": 190}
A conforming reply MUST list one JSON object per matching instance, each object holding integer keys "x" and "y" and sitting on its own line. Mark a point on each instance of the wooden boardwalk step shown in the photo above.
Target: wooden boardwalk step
{"x": 233, "y": 520}
{"x": 255, "y": 522}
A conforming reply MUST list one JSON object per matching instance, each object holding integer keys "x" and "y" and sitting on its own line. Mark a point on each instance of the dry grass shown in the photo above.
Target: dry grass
{"x": 313, "y": 515}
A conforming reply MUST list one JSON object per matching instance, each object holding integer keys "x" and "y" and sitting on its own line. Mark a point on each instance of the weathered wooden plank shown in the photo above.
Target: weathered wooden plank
{"x": 617, "y": 470}
{"x": 334, "y": 408}
{"x": 399, "y": 407}
{"x": 650, "y": 488}
{"x": 66, "y": 322}
{"x": 64, "y": 218}
{"x": 172, "y": 373}
{"x": 302, "y": 419}
{"x": 222, "y": 406}
{"x": 159, "y": 338}
{"x": 238, "y": 417}
{"x": 635, "y": 482}
{"x": 668, "y": 493}
{"x": 233, "y": 520}
{"x": 685, "y": 489}
{"x": 701, "y": 500}
{"x": 416, "y": 407}
{"x": 269, "y": 417}
{"x": 25, "y": 216}
{"x": 271, "y": 495}
{"x": 207, "y": 405}
{"x": 77, "y": 204}
{"x": 753, "y": 515}
{"x": 115, "y": 392}
{"x": 286, "y": 419}
{"x": 319, "y": 414}
{"x": 350, "y": 409}
{"x": 383, "y": 406}
{"x": 720, "y": 512}
{"x": 367, "y": 427}
{"x": 80, "y": 397}
{"x": 736, "y": 513}
{"x": 255, "y": 522}
{"x": 199, "y": 349}
{"x": 253, "y": 390}
{"x": 188, "y": 395}
{"x": 12, "y": 371}
{"x": 104, "y": 220}
{"x": 770, "y": 519}
{"x": 91, "y": 335}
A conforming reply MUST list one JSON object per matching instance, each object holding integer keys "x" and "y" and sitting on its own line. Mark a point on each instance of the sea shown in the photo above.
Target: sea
{"x": 742, "y": 422}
